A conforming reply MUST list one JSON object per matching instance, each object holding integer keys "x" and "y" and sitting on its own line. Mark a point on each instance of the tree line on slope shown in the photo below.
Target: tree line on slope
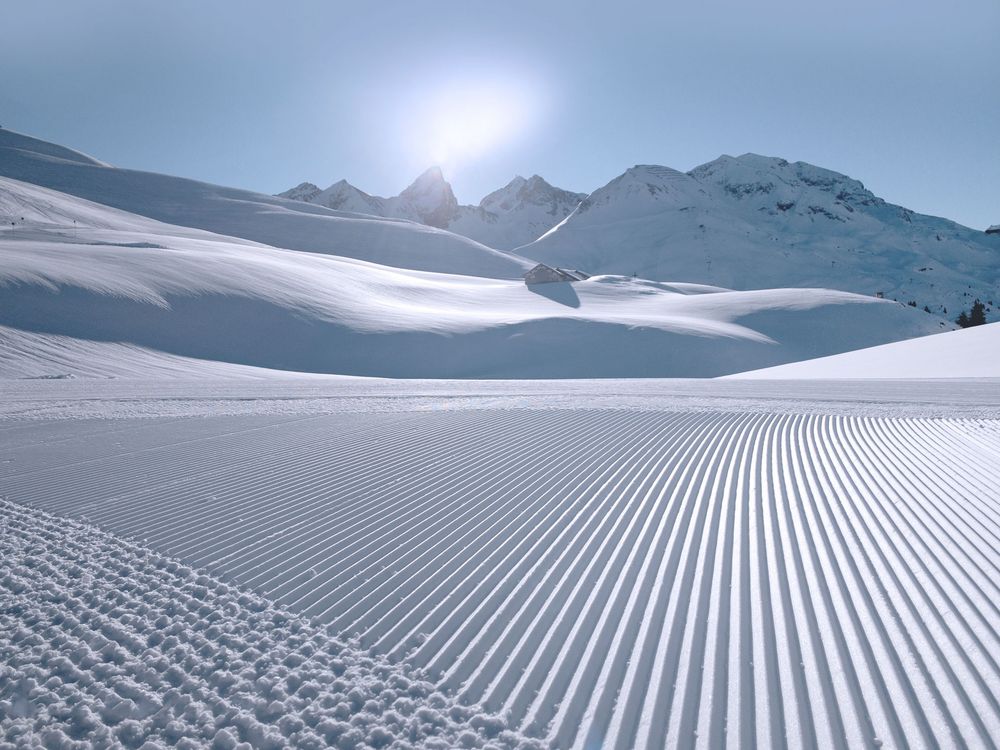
{"x": 975, "y": 317}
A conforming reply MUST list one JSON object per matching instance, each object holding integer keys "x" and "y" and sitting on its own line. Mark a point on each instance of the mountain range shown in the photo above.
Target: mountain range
{"x": 747, "y": 222}
{"x": 742, "y": 222}
{"x": 738, "y": 222}
{"x": 514, "y": 215}
{"x": 88, "y": 290}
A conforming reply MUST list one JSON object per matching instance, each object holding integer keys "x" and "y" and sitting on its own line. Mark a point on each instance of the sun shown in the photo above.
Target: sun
{"x": 466, "y": 125}
{"x": 459, "y": 124}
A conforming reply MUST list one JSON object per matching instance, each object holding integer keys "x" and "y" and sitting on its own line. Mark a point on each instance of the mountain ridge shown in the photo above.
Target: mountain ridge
{"x": 511, "y": 216}
{"x": 755, "y": 221}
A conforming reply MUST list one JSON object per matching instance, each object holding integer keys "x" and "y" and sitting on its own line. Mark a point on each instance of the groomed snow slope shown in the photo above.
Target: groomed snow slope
{"x": 195, "y": 294}
{"x": 106, "y": 643}
{"x": 313, "y": 395}
{"x": 596, "y": 577}
{"x": 969, "y": 353}
{"x": 242, "y": 213}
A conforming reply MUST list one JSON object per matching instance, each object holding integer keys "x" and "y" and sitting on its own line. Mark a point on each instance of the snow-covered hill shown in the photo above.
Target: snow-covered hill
{"x": 44, "y": 356}
{"x": 512, "y": 216}
{"x": 112, "y": 277}
{"x": 241, "y": 213}
{"x": 756, "y": 222}
{"x": 968, "y": 353}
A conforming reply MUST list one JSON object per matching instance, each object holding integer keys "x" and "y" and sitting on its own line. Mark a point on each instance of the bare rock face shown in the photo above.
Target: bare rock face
{"x": 304, "y": 191}
{"x": 430, "y": 199}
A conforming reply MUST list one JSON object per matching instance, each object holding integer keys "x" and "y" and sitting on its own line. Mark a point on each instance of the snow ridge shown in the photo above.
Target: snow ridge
{"x": 106, "y": 642}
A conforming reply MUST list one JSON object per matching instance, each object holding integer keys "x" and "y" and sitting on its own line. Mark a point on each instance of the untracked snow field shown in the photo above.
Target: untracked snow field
{"x": 589, "y": 564}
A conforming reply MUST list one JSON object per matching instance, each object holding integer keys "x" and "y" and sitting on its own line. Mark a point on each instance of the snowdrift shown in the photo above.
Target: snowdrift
{"x": 242, "y": 213}
{"x": 26, "y": 355}
{"x": 969, "y": 353}
{"x": 198, "y": 295}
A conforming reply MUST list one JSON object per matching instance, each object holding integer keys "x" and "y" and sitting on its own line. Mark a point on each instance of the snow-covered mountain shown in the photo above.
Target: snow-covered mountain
{"x": 750, "y": 222}
{"x": 512, "y": 216}
{"x": 349, "y": 232}
{"x": 758, "y": 222}
{"x": 77, "y": 269}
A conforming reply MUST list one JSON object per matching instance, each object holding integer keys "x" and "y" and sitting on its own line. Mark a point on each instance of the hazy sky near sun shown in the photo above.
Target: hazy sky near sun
{"x": 904, "y": 96}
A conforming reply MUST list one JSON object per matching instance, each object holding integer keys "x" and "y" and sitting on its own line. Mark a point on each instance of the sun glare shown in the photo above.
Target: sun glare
{"x": 463, "y": 123}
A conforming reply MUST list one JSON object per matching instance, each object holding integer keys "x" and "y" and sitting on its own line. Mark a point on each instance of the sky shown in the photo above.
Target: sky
{"x": 904, "y": 96}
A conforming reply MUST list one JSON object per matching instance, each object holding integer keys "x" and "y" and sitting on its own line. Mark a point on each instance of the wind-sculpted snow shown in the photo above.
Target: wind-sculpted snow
{"x": 104, "y": 643}
{"x": 243, "y": 213}
{"x": 119, "y": 279}
{"x": 599, "y": 578}
{"x": 25, "y": 355}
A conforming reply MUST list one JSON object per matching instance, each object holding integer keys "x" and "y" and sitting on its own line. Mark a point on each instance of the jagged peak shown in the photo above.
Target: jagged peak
{"x": 340, "y": 185}
{"x": 302, "y": 191}
{"x": 535, "y": 190}
{"x": 431, "y": 198}
{"x": 429, "y": 179}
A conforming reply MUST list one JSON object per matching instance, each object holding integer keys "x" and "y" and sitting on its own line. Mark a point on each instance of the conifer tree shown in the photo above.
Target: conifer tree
{"x": 977, "y": 316}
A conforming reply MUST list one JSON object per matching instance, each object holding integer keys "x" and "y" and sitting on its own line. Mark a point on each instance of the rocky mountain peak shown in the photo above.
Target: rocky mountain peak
{"x": 304, "y": 191}
{"x": 431, "y": 198}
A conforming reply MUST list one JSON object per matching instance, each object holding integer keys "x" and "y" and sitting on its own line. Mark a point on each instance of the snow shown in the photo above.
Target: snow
{"x": 117, "y": 278}
{"x": 278, "y": 393}
{"x": 25, "y": 355}
{"x": 628, "y": 577}
{"x": 754, "y": 222}
{"x": 512, "y": 216}
{"x": 241, "y": 213}
{"x": 210, "y": 541}
{"x": 968, "y": 353}
{"x": 108, "y": 643}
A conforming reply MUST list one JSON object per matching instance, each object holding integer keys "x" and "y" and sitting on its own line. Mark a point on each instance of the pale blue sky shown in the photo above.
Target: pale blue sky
{"x": 904, "y": 96}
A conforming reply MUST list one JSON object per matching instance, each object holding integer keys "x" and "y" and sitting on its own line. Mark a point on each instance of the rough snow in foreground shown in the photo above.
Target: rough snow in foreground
{"x": 106, "y": 642}
{"x": 596, "y": 577}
